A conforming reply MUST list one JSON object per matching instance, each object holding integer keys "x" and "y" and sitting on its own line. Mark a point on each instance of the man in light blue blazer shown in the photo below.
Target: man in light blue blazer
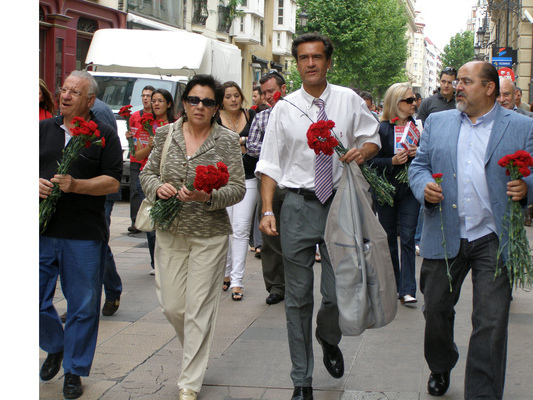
{"x": 465, "y": 146}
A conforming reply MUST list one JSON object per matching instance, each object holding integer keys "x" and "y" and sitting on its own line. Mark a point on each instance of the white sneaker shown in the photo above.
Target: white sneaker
{"x": 417, "y": 250}
{"x": 152, "y": 272}
{"x": 408, "y": 299}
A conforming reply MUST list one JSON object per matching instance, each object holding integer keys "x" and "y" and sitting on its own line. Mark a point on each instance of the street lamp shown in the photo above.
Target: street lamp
{"x": 302, "y": 19}
{"x": 481, "y": 34}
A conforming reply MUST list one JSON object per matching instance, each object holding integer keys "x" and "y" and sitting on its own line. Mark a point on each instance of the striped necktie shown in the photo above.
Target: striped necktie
{"x": 323, "y": 164}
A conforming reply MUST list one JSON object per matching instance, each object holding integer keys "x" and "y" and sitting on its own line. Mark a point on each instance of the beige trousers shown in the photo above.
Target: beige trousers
{"x": 188, "y": 275}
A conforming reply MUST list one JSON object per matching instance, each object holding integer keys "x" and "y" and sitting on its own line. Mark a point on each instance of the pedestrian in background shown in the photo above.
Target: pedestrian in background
{"x": 271, "y": 256}
{"x": 163, "y": 110}
{"x": 234, "y": 117}
{"x": 398, "y": 106}
{"x": 47, "y": 108}
{"x": 135, "y": 165}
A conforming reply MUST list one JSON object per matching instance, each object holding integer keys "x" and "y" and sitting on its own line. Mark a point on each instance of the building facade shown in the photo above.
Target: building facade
{"x": 262, "y": 29}
{"x": 508, "y": 25}
{"x": 65, "y": 31}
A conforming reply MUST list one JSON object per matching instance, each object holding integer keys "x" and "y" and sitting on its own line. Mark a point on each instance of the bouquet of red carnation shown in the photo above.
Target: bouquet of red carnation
{"x": 84, "y": 135}
{"x": 125, "y": 112}
{"x": 320, "y": 138}
{"x": 147, "y": 121}
{"x": 520, "y": 263}
{"x": 207, "y": 179}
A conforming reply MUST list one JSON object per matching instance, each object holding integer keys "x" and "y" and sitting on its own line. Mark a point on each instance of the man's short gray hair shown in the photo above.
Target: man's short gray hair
{"x": 93, "y": 85}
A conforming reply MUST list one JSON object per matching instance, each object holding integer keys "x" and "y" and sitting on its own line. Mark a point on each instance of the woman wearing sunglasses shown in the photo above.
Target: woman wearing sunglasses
{"x": 398, "y": 110}
{"x": 190, "y": 255}
{"x": 234, "y": 117}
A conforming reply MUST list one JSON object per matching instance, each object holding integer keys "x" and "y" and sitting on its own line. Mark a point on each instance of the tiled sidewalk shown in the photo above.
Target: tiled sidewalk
{"x": 138, "y": 355}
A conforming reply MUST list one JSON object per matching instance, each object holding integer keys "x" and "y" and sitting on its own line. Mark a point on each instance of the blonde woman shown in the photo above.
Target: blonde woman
{"x": 398, "y": 109}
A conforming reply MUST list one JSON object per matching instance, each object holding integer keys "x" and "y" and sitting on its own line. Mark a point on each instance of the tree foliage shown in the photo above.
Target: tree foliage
{"x": 459, "y": 51}
{"x": 368, "y": 37}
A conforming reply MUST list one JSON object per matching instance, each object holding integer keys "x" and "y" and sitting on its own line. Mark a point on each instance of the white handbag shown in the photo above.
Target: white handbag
{"x": 143, "y": 222}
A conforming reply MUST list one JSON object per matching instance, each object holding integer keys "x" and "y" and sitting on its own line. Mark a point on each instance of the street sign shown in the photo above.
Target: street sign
{"x": 499, "y": 62}
{"x": 507, "y": 73}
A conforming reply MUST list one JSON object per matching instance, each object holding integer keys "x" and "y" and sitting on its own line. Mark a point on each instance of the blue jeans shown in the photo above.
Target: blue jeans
{"x": 150, "y": 236}
{"x": 79, "y": 264}
{"x": 112, "y": 281}
{"x": 487, "y": 350}
{"x": 403, "y": 215}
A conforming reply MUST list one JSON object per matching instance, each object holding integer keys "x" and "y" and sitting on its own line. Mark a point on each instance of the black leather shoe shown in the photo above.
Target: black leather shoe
{"x": 302, "y": 393}
{"x": 438, "y": 383}
{"x": 51, "y": 366}
{"x": 333, "y": 360}
{"x": 274, "y": 298}
{"x": 110, "y": 307}
{"x": 72, "y": 387}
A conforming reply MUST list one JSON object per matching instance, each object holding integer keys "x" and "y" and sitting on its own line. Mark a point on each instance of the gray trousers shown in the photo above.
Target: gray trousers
{"x": 303, "y": 224}
{"x": 271, "y": 257}
{"x": 487, "y": 350}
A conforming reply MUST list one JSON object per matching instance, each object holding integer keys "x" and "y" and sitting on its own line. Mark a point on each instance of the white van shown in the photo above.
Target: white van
{"x": 123, "y": 59}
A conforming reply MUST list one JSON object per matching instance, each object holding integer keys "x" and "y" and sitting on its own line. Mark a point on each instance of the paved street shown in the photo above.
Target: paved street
{"x": 138, "y": 355}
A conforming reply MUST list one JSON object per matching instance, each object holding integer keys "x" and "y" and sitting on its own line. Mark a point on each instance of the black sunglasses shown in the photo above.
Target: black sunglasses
{"x": 409, "y": 100}
{"x": 448, "y": 71}
{"x": 195, "y": 100}
{"x": 273, "y": 72}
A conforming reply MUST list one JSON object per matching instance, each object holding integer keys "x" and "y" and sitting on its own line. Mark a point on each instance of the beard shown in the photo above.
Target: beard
{"x": 460, "y": 104}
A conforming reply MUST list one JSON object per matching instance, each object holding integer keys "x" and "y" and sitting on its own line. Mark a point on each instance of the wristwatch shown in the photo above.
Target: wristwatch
{"x": 267, "y": 214}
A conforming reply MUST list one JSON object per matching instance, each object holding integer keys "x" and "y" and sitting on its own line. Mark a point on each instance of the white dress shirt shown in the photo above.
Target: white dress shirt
{"x": 285, "y": 155}
{"x": 473, "y": 200}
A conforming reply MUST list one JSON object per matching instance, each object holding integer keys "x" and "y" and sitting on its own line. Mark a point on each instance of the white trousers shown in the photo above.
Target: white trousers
{"x": 240, "y": 215}
{"x": 188, "y": 272}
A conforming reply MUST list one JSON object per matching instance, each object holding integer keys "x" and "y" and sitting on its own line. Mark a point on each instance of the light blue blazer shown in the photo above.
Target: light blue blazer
{"x": 438, "y": 153}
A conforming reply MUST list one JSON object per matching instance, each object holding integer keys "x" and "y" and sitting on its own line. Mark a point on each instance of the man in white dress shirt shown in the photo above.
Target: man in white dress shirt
{"x": 287, "y": 160}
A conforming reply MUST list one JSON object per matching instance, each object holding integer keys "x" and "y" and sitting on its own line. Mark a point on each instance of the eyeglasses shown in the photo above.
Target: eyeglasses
{"x": 409, "y": 100}
{"x": 65, "y": 90}
{"x": 146, "y": 95}
{"x": 195, "y": 100}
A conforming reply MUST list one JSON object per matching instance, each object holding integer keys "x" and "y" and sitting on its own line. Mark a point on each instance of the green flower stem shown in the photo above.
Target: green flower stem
{"x": 403, "y": 176}
{"x": 164, "y": 212}
{"x": 444, "y": 247}
{"x": 519, "y": 263}
{"x": 48, "y": 206}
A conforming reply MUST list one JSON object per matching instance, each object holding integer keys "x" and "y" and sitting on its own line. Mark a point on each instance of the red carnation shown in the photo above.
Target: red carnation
{"x": 320, "y": 139}
{"x": 254, "y": 107}
{"x": 437, "y": 177}
{"x": 77, "y": 121}
{"x": 209, "y": 178}
{"x": 277, "y": 96}
{"x": 125, "y": 112}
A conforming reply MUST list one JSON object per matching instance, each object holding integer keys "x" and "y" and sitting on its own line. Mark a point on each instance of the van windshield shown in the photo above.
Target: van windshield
{"x": 118, "y": 92}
